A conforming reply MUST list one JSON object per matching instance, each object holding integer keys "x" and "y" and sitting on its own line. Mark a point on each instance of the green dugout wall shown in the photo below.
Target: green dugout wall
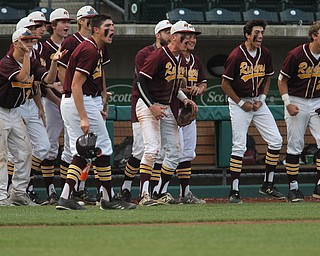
{"x": 218, "y": 114}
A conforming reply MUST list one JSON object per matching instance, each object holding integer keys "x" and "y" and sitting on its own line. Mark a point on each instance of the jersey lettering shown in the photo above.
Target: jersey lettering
{"x": 248, "y": 72}
{"x": 97, "y": 72}
{"x": 193, "y": 75}
{"x": 171, "y": 72}
{"x": 305, "y": 71}
{"x": 23, "y": 85}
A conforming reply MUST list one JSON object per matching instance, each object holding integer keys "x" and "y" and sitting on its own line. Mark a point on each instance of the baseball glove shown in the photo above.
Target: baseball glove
{"x": 86, "y": 146}
{"x": 186, "y": 116}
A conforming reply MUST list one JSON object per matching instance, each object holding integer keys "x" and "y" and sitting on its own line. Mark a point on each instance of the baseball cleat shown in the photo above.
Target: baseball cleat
{"x": 125, "y": 194}
{"x": 163, "y": 199}
{"x": 234, "y": 197}
{"x": 116, "y": 204}
{"x": 316, "y": 191}
{"x": 268, "y": 189}
{"x": 190, "y": 199}
{"x": 68, "y": 204}
{"x": 295, "y": 196}
{"x": 147, "y": 201}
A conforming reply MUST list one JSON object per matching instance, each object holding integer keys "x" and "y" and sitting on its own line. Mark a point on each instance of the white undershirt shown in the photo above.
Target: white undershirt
{"x": 253, "y": 53}
{"x": 316, "y": 55}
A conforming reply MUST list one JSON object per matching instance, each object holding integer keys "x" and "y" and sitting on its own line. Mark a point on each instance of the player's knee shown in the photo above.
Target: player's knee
{"x": 150, "y": 158}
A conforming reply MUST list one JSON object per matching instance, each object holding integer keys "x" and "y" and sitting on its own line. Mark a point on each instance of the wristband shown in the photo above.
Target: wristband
{"x": 285, "y": 98}
{"x": 240, "y": 103}
{"x": 181, "y": 96}
{"x": 262, "y": 97}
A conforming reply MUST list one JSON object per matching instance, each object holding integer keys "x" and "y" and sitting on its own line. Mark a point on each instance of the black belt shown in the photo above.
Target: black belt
{"x": 68, "y": 95}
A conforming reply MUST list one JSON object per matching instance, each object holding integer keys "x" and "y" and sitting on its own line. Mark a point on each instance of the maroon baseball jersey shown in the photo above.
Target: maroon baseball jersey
{"x": 39, "y": 47}
{"x": 163, "y": 70}
{"x": 87, "y": 59}
{"x": 195, "y": 73}
{"x": 71, "y": 43}
{"x": 49, "y": 49}
{"x": 12, "y": 92}
{"x": 303, "y": 71}
{"x": 139, "y": 61}
{"x": 246, "y": 73}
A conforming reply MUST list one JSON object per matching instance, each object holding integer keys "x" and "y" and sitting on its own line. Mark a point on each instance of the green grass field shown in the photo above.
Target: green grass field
{"x": 211, "y": 229}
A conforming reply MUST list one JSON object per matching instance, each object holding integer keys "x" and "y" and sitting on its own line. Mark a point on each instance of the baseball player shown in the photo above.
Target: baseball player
{"x": 158, "y": 83}
{"x": 197, "y": 85}
{"x": 83, "y": 82}
{"x": 84, "y": 16}
{"x": 17, "y": 73}
{"x": 40, "y": 20}
{"x": 162, "y": 34}
{"x": 298, "y": 84}
{"x": 246, "y": 80}
{"x": 58, "y": 30}
{"x": 32, "y": 113}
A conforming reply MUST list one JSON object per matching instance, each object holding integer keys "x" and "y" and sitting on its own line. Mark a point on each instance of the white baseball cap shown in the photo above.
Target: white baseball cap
{"x": 38, "y": 16}
{"x": 162, "y": 25}
{"x": 60, "y": 14}
{"x": 86, "y": 12}
{"x": 194, "y": 30}
{"x": 25, "y": 23}
{"x": 22, "y": 34}
{"x": 180, "y": 26}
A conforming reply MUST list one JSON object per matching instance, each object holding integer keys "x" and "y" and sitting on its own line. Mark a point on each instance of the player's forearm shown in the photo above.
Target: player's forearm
{"x": 37, "y": 100}
{"x": 266, "y": 86}
{"x": 104, "y": 88}
{"x": 143, "y": 90}
{"x": 50, "y": 78}
{"x": 61, "y": 73}
{"x": 282, "y": 85}
{"x": 52, "y": 97}
{"x": 228, "y": 90}
{"x": 78, "y": 101}
{"x": 24, "y": 75}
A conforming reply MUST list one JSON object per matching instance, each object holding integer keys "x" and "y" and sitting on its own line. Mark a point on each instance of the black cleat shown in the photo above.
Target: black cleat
{"x": 234, "y": 197}
{"x": 316, "y": 192}
{"x": 125, "y": 195}
{"x": 84, "y": 196}
{"x": 52, "y": 199}
{"x": 295, "y": 196}
{"x": 68, "y": 204}
{"x": 34, "y": 197}
{"x": 116, "y": 204}
{"x": 268, "y": 189}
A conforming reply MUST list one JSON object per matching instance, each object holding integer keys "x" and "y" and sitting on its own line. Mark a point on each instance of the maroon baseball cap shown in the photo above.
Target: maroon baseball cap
{"x": 22, "y": 34}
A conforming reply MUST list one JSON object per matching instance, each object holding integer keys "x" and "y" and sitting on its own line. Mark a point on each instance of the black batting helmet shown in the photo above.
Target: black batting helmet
{"x": 86, "y": 145}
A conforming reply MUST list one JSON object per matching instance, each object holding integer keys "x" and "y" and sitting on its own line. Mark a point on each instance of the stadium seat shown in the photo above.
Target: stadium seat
{"x": 199, "y": 5}
{"x": 150, "y": 11}
{"x": 296, "y": 16}
{"x": 185, "y": 14}
{"x": 9, "y": 15}
{"x": 304, "y": 5}
{"x": 269, "y": 5}
{"x": 25, "y": 5}
{"x": 256, "y": 13}
{"x": 221, "y": 15}
{"x": 232, "y": 5}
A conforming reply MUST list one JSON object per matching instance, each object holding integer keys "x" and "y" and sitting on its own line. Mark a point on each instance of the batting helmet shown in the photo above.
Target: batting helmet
{"x": 86, "y": 146}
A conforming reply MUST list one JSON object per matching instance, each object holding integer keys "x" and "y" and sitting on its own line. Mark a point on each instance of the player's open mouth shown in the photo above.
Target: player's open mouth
{"x": 66, "y": 30}
{"x": 111, "y": 35}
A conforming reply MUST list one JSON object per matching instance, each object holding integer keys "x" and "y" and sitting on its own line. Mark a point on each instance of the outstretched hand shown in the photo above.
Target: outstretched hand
{"x": 59, "y": 54}
{"x": 24, "y": 48}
